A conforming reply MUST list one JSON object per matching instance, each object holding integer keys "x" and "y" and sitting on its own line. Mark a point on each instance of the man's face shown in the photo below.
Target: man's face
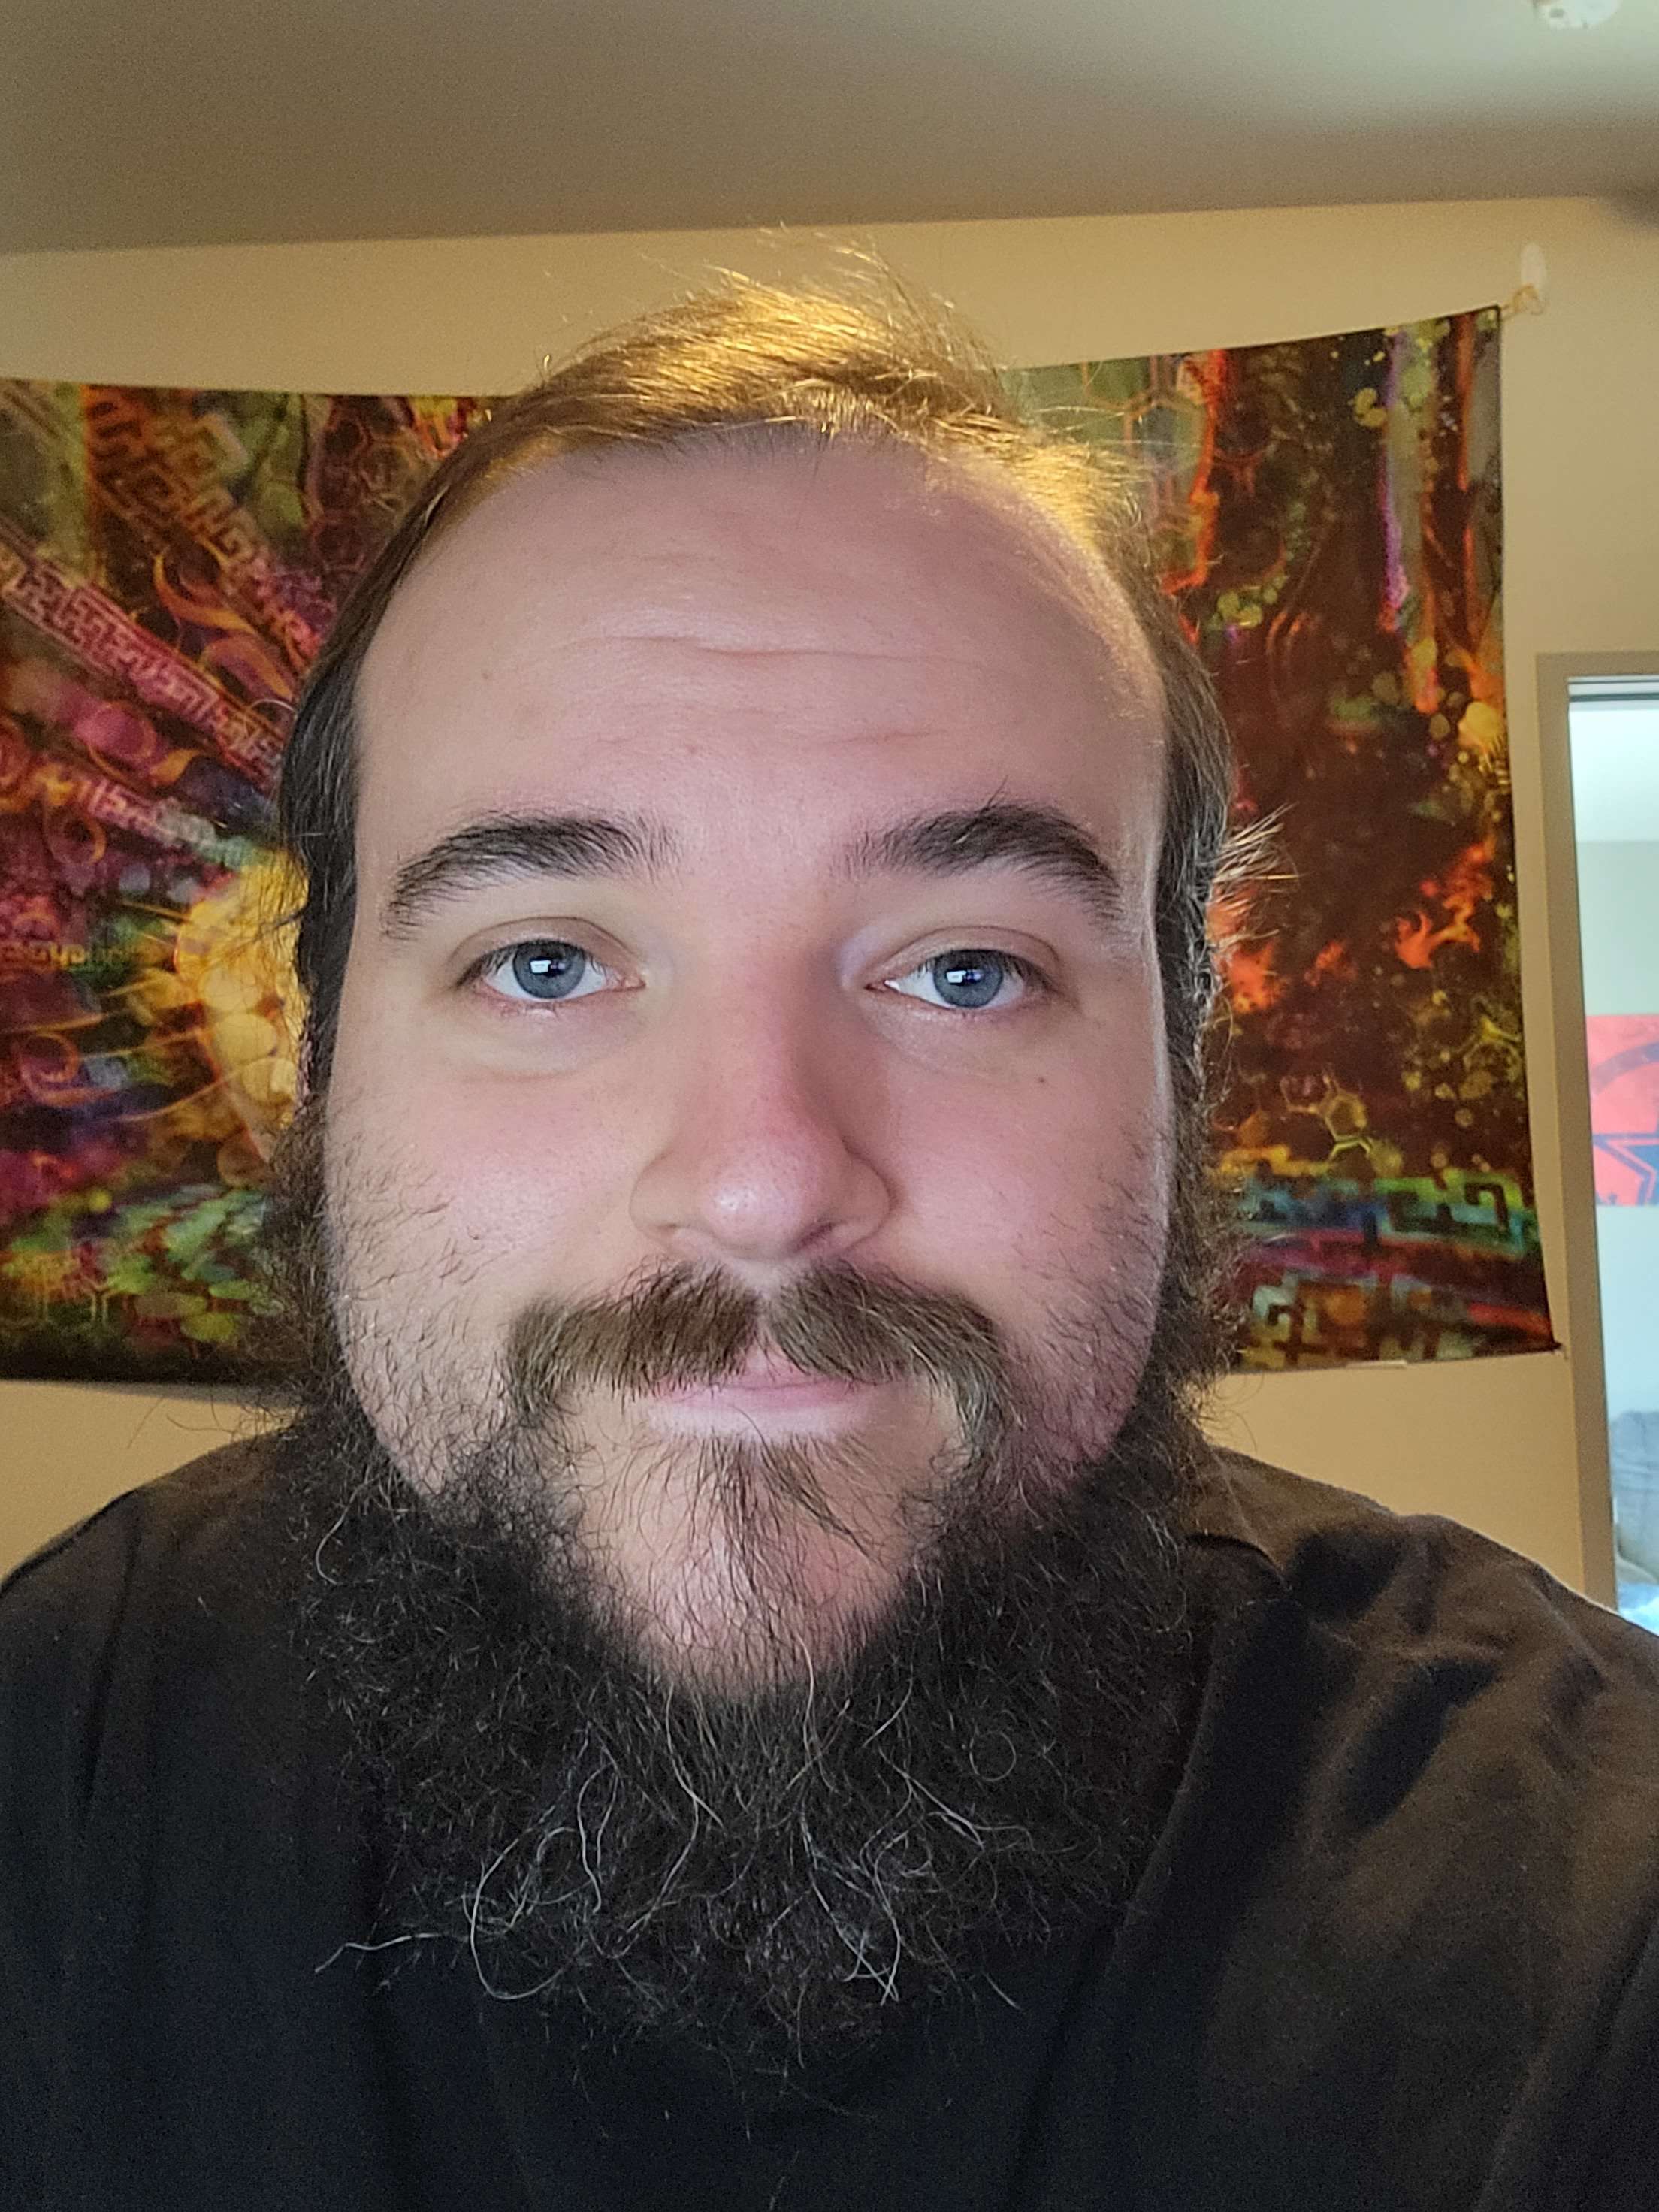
{"x": 741, "y": 1043}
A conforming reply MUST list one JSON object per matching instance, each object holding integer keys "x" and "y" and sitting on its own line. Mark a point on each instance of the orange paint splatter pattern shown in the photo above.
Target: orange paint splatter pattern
{"x": 1330, "y": 522}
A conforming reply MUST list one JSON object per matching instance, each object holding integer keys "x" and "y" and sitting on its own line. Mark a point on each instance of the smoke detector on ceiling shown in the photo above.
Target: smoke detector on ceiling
{"x": 1576, "y": 14}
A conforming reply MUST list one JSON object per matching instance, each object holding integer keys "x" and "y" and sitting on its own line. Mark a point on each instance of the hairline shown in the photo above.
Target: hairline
{"x": 1073, "y": 570}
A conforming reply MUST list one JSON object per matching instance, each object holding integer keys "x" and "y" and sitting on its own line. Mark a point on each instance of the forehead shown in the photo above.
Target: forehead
{"x": 605, "y": 617}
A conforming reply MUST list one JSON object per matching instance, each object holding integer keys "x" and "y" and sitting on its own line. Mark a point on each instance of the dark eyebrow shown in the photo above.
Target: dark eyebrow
{"x": 1041, "y": 841}
{"x": 502, "y": 847}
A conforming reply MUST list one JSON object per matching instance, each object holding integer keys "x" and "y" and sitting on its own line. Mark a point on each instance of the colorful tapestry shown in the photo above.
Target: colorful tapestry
{"x": 1624, "y": 1087}
{"x": 1327, "y": 515}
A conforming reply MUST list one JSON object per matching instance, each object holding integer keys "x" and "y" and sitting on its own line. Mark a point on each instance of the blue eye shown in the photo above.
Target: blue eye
{"x": 547, "y": 970}
{"x": 544, "y": 968}
{"x": 969, "y": 979}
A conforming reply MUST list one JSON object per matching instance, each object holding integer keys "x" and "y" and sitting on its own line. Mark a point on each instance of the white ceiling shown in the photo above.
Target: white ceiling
{"x": 196, "y": 122}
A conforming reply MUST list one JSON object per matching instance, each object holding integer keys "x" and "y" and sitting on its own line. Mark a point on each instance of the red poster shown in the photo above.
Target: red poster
{"x": 1623, "y": 1084}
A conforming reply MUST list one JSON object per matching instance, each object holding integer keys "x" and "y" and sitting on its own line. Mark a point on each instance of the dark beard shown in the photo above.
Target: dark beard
{"x": 762, "y": 1875}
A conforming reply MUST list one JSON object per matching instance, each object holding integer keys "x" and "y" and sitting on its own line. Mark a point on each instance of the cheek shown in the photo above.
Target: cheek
{"x": 504, "y": 1176}
{"x": 491, "y": 1191}
{"x": 529, "y": 1180}
{"x": 1065, "y": 1249}
{"x": 1061, "y": 1182}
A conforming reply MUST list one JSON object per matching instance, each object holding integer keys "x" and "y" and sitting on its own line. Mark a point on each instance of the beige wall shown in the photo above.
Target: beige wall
{"x": 1490, "y": 1441}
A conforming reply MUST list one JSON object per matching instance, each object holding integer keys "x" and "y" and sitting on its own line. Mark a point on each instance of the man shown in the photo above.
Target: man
{"x": 740, "y": 1683}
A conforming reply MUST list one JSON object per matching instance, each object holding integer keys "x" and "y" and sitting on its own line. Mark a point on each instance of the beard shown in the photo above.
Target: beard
{"x": 766, "y": 1860}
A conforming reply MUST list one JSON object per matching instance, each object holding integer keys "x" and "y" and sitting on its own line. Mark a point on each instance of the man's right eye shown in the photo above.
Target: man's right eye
{"x": 539, "y": 970}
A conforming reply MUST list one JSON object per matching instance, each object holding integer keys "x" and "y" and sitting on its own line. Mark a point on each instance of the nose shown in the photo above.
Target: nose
{"x": 762, "y": 1162}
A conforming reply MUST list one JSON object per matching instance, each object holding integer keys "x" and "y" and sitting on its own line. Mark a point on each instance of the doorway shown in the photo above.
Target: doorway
{"x": 1614, "y": 746}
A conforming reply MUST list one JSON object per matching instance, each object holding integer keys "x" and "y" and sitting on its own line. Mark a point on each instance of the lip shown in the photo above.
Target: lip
{"x": 766, "y": 1387}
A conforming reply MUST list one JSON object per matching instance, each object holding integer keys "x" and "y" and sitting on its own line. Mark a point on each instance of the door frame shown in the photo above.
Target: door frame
{"x": 1588, "y": 1377}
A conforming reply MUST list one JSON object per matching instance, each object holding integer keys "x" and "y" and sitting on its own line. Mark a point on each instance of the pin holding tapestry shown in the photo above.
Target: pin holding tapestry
{"x": 1530, "y": 295}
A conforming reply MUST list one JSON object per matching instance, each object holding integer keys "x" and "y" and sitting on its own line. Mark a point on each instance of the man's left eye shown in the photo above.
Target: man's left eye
{"x": 970, "y": 980}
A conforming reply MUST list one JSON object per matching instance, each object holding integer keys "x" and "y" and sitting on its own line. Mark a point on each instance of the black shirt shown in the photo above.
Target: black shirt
{"x": 1396, "y": 1947}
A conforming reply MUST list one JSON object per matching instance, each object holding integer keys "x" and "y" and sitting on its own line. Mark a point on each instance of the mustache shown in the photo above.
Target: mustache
{"x": 686, "y": 1325}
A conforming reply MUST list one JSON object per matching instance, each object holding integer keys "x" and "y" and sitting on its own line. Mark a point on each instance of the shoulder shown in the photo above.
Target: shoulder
{"x": 1413, "y": 1645}
{"x": 135, "y": 1666}
{"x": 1414, "y": 1860}
{"x": 172, "y": 1838}
{"x": 1420, "y": 1834}
{"x": 157, "y": 1583}
{"x": 1353, "y": 1569}
{"x": 192, "y": 1497}
{"x": 163, "y": 1535}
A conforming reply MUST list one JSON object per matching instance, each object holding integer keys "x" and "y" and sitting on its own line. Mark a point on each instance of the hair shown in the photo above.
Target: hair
{"x": 871, "y": 363}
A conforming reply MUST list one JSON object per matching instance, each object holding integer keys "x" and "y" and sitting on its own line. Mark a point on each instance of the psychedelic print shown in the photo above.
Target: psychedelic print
{"x": 1327, "y": 516}
{"x": 168, "y": 563}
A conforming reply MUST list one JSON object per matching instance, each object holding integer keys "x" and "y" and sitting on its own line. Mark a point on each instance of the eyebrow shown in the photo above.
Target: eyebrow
{"x": 502, "y": 848}
{"x": 1041, "y": 842}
